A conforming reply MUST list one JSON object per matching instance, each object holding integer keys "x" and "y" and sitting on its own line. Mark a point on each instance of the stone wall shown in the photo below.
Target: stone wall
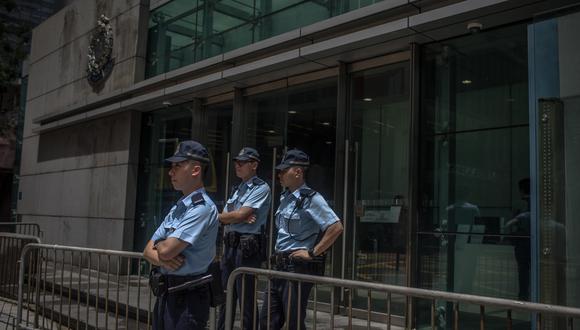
{"x": 79, "y": 182}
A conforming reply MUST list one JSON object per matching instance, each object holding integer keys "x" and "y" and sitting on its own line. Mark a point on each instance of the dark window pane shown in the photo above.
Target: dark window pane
{"x": 474, "y": 214}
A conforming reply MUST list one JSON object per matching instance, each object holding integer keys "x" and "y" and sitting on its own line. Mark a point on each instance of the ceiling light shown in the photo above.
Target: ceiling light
{"x": 466, "y": 81}
{"x": 325, "y": 123}
{"x": 328, "y": 142}
{"x": 292, "y": 112}
{"x": 367, "y": 99}
{"x": 271, "y": 131}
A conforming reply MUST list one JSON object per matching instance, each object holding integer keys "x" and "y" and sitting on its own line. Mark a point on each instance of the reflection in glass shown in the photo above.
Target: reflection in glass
{"x": 187, "y": 31}
{"x": 474, "y": 219}
{"x": 558, "y": 98}
{"x": 300, "y": 117}
{"x": 380, "y": 138}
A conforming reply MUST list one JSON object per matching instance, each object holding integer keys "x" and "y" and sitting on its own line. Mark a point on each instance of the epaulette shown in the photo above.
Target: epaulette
{"x": 233, "y": 190}
{"x": 197, "y": 199}
{"x": 307, "y": 192}
{"x": 258, "y": 182}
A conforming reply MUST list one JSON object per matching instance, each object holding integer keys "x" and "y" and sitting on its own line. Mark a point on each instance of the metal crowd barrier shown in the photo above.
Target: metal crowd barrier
{"x": 74, "y": 288}
{"x": 11, "y": 246}
{"x": 542, "y": 313}
{"x": 23, "y": 228}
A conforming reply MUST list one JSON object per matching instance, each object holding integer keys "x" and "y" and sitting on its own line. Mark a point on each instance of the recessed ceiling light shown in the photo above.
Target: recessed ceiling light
{"x": 328, "y": 142}
{"x": 466, "y": 81}
{"x": 325, "y": 123}
{"x": 291, "y": 112}
{"x": 367, "y": 99}
{"x": 271, "y": 131}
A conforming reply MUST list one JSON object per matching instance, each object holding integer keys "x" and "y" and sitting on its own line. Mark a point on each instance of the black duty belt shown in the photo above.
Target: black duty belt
{"x": 232, "y": 239}
{"x": 177, "y": 283}
{"x": 283, "y": 262}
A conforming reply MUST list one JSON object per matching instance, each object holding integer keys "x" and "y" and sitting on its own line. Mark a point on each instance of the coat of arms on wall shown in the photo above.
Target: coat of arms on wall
{"x": 100, "y": 52}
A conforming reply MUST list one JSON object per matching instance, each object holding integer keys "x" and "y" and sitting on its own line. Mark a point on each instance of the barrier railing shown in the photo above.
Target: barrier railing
{"x": 74, "y": 287}
{"x": 23, "y": 228}
{"x": 11, "y": 246}
{"x": 542, "y": 314}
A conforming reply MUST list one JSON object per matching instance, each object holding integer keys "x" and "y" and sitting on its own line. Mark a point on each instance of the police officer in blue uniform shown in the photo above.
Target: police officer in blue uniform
{"x": 244, "y": 217}
{"x": 184, "y": 245}
{"x": 307, "y": 227}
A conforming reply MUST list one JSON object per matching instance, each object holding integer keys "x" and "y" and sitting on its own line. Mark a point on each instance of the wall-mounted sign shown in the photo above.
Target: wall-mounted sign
{"x": 384, "y": 214}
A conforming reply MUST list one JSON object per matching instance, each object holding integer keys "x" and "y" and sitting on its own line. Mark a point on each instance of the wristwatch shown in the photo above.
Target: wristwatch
{"x": 311, "y": 253}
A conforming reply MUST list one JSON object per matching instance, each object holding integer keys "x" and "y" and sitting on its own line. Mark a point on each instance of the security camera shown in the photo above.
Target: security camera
{"x": 474, "y": 27}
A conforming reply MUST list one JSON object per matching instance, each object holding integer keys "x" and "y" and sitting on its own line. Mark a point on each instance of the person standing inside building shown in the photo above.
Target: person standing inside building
{"x": 245, "y": 218}
{"x": 184, "y": 246}
{"x": 307, "y": 227}
{"x": 519, "y": 227}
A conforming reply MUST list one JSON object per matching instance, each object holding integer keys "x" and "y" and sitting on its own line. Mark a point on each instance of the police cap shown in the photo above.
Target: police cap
{"x": 294, "y": 157}
{"x": 248, "y": 154}
{"x": 189, "y": 150}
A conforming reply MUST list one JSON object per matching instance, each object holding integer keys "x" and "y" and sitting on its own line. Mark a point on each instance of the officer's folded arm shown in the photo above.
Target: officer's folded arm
{"x": 166, "y": 253}
{"x": 243, "y": 214}
{"x": 330, "y": 235}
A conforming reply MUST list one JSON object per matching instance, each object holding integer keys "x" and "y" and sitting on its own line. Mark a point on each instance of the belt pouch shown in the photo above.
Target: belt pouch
{"x": 157, "y": 282}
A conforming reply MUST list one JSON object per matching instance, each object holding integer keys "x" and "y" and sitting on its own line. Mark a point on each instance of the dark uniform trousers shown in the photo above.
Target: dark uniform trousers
{"x": 187, "y": 309}
{"x": 231, "y": 260}
{"x": 282, "y": 309}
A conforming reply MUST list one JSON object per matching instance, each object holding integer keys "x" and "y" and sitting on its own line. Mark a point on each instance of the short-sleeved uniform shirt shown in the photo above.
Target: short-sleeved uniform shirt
{"x": 299, "y": 225}
{"x": 194, "y": 220}
{"x": 255, "y": 194}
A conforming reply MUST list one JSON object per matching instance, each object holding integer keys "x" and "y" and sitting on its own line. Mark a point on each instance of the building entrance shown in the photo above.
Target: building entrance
{"x": 378, "y": 182}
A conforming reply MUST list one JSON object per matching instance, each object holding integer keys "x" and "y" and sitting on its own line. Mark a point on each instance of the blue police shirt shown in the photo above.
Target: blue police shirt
{"x": 298, "y": 227}
{"x": 194, "y": 219}
{"x": 253, "y": 193}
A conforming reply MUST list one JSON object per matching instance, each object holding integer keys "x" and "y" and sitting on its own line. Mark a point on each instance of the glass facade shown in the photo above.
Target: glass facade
{"x": 474, "y": 216}
{"x": 187, "y": 31}
{"x": 555, "y": 99}
{"x": 380, "y": 126}
{"x": 481, "y": 223}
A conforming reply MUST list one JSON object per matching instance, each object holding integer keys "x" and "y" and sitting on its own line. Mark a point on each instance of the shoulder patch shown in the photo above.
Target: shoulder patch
{"x": 258, "y": 182}
{"x": 197, "y": 199}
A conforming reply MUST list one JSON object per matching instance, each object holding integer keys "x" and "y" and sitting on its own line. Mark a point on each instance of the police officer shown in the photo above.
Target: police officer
{"x": 244, "y": 217}
{"x": 307, "y": 227}
{"x": 184, "y": 245}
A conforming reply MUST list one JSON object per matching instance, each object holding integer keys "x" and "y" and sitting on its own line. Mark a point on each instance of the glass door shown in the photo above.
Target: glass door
{"x": 379, "y": 144}
{"x": 556, "y": 100}
{"x": 301, "y": 116}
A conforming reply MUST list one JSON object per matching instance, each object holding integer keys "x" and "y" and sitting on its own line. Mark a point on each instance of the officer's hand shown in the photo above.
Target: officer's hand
{"x": 173, "y": 264}
{"x": 251, "y": 218}
{"x": 300, "y": 254}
